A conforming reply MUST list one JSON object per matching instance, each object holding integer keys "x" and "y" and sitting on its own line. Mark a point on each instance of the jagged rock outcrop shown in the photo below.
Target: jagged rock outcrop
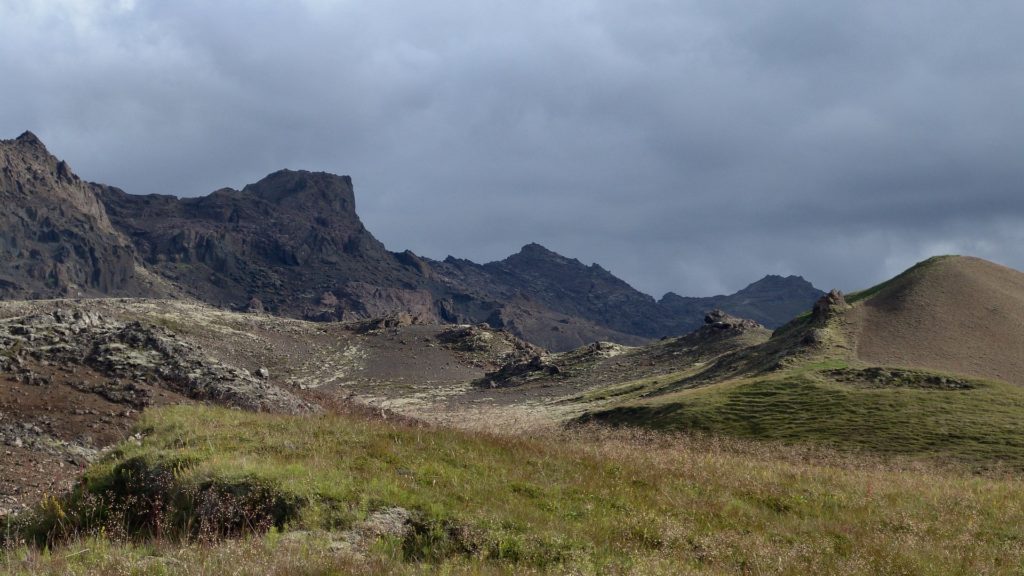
{"x": 287, "y": 240}
{"x": 718, "y": 321}
{"x": 829, "y": 306}
{"x": 55, "y": 237}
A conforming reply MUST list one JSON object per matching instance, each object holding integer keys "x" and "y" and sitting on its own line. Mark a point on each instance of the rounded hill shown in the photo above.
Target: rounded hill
{"x": 956, "y": 314}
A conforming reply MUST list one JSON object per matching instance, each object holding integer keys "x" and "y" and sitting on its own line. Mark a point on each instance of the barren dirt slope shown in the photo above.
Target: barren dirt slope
{"x": 957, "y": 314}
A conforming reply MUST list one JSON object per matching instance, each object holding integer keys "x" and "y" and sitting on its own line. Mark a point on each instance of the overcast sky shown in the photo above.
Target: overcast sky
{"x": 690, "y": 146}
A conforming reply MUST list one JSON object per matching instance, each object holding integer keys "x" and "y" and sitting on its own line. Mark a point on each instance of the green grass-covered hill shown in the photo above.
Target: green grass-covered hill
{"x": 930, "y": 363}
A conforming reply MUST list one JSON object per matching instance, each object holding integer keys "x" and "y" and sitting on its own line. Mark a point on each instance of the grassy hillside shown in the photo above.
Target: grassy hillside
{"x": 977, "y": 422}
{"x": 589, "y": 501}
{"x": 860, "y": 295}
{"x": 927, "y": 365}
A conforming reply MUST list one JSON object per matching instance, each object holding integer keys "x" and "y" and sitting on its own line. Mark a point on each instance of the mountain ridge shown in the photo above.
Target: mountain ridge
{"x": 293, "y": 244}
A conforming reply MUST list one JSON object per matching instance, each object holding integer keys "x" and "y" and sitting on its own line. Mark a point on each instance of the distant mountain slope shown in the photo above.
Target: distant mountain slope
{"x": 771, "y": 301}
{"x": 591, "y": 292}
{"x": 292, "y": 244}
{"x": 565, "y": 285}
{"x": 55, "y": 237}
{"x": 955, "y": 314}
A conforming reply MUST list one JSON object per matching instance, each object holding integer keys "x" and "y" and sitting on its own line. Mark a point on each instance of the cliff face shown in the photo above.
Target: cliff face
{"x": 293, "y": 244}
{"x": 55, "y": 237}
{"x": 292, "y": 240}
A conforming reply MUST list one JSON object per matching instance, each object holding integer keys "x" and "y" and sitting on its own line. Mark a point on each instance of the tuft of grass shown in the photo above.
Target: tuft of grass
{"x": 256, "y": 556}
{"x": 587, "y": 501}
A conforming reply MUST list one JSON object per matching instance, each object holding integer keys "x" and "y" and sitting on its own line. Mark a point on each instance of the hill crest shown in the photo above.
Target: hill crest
{"x": 958, "y": 314}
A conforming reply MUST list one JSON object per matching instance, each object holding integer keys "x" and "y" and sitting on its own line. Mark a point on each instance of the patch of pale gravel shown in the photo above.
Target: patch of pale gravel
{"x": 329, "y": 368}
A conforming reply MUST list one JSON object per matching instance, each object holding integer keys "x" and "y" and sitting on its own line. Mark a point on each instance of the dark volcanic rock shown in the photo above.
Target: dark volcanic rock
{"x": 569, "y": 286}
{"x": 719, "y": 321}
{"x": 55, "y": 237}
{"x": 292, "y": 241}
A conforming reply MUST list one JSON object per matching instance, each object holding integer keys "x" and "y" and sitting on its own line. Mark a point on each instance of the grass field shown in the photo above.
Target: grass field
{"x": 586, "y": 501}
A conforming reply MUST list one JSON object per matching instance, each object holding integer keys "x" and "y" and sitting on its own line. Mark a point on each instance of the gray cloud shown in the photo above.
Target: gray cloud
{"x": 686, "y": 146}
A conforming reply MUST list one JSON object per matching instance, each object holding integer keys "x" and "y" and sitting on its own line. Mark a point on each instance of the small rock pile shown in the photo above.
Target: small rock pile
{"x": 467, "y": 338}
{"x": 387, "y": 322}
{"x": 718, "y": 321}
{"x": 518, "y": 372}
{"x": 490, "y": 347}
{"x": 30, "y": 436}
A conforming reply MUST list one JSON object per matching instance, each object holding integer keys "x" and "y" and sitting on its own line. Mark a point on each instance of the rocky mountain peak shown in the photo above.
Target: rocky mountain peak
{"x": 775, "y": 282}
{"x": 35, "y": 175}
{"x": 535, "y": 249}
{"x": 534, "y": 258}
{"x": 293, "y": 240}
{"x": 534, "y": 252}
{"x": 306, "y": 190}
{"x": 55, "y": 236}
{"x": 772, "y": 301}
{"x": 29, "y": 139}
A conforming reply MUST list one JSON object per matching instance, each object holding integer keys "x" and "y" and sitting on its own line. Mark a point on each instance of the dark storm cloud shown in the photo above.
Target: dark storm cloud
{"x": 686, "y": 146}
